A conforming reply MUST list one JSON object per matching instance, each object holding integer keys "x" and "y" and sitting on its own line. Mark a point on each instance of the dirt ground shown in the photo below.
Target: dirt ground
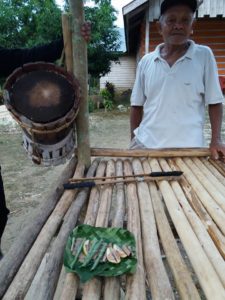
{"x": 27, "y": 185}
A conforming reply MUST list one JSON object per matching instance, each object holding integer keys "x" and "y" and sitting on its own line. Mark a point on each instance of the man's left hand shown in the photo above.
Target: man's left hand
{"x": 217, "y": 151}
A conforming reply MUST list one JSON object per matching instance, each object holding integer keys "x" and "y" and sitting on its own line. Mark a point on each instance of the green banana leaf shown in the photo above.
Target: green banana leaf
{"x": 118, "y": 236}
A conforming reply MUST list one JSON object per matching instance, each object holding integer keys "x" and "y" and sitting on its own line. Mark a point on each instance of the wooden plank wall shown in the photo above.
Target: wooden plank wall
{"x": 122, "y": 73}
{"x": 211, "y": 32}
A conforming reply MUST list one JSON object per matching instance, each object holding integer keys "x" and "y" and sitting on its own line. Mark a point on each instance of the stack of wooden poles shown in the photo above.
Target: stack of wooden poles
{"x": 179, "y": 227}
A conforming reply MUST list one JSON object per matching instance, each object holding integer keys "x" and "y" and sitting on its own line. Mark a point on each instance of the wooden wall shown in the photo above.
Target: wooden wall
{"x": 122, "y": 74}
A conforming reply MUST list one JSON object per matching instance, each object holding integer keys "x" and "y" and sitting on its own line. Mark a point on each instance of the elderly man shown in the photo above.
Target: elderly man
{"x": 173, "y": 85}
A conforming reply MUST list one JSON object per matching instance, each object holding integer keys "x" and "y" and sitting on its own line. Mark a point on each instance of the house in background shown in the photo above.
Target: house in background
{"x": 122, "y": 73}
{"x": 140, "y": 17}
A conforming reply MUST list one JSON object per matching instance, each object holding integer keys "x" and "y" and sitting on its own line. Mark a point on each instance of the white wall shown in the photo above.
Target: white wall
{"x": 122, "y": 74}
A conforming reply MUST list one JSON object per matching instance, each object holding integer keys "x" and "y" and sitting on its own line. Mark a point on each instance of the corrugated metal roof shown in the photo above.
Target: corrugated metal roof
{"x": 211, "y": 8}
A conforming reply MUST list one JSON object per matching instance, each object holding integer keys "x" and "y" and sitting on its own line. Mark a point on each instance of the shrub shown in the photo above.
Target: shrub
{"x": 91, "y": 105}
{"x": 108, "y": 104}
{"x": 107, "y": 99}
{"x": 111, "y": 89}
{"x": 105, "y": 94}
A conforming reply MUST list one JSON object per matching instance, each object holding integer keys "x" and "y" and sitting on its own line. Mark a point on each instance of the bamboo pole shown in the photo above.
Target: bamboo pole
{"x": 217, "y": 184}
{"x": 208, "y": 181}
{"x": 205, "y": 218}
{"x": 28, "y": 269}
{"x": 112, "y": 284}
{"x": 189, "y": 152}
{"x": 219, "y": 165}
{"x": 46, "y": 287}
{"x": 92, "y": 289}
{"x": 67, "y": 39}
{"x": 155, "y": 270}
{"x": 16, "y": 254}
{"x": 135, "y": 286}
{"x": 81, "y": 73}
{"x": 35, "y": 284}
{"x": 214, "y": 170}
{"x": 183, "y": 280}
{"x": 70, "y": 287}
{"x": 71, "y": 283}
{"x": 94, "y": 201}
{"x": 204, "y": 270}
{"x": 199, "y": 229}
{"x": 214, "y": 210}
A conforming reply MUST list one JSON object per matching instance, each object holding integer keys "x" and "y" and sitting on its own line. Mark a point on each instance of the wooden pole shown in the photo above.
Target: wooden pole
{"x": 199, "y": 229}
{"x": 92, "y": 289}
{"x": 135, "y": 285}
{"x": 112, "y": 284}
{"x": 210, "y": 176}
{"x": 155, "y": 270}
{"x": 29, "y": 267}
{"x": 81, "y": 73}
{"x": 211, "y": 206}
{"x": 209, "y": 183}
{"x": 46, "y": 287}
{"x": 71, "y": 283}
{"x": 204, "y": 216}
{"x": 182, "y": 276}
{"x": 16, "y": 254}
{"x": 201, "y": 152}
{"x": 204, "y": 270}
{"x": 219, "y": 165}
{"x": 214, "y": 170}
{"x": 67, "y": 39}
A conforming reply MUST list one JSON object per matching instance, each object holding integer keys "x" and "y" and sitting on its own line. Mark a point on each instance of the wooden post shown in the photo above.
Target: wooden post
{"x": 81, "y": 73}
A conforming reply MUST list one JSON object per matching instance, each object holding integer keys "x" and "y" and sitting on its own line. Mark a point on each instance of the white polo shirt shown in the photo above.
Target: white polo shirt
{"x": 174, "y": 98}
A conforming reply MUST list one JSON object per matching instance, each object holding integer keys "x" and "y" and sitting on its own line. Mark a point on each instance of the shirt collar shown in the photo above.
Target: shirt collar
{"x": 188, "y": 54}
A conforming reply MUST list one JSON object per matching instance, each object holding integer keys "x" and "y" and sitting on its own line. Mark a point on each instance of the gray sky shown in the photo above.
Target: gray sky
{"x": 118, "y": 4}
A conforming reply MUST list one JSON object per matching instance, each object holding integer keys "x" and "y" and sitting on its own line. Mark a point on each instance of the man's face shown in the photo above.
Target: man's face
{"x": 176, "y": 25}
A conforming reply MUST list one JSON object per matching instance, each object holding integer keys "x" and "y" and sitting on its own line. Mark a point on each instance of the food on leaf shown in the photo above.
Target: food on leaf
{"x": 113, "y": 256}
{"x": 86, "y": 247}
{"x": 100, "y": 255}
{"x": 120, "y": 251}
{"x": 93, "y": 249}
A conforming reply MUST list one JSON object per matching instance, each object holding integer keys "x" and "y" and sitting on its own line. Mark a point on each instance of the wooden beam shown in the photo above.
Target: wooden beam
{"x": 81, "y": 73}
{"x": 198, "y": 152}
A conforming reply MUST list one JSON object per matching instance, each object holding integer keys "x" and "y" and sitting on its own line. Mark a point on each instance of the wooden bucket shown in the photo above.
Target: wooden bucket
{"x": 44, "y": 100}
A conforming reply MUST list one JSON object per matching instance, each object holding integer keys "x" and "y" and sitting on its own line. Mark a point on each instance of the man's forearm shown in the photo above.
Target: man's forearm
{"x": 135, "y": 118}
{"x": 215, "y": 116}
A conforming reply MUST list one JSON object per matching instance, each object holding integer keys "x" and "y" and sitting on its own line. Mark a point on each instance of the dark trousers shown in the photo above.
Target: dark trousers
{"x": 3, "y": 209}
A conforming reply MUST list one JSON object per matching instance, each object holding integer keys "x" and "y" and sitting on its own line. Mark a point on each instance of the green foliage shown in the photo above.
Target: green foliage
{"x": 25, "y": 23}
{"x": 111, "y": 89}
{"x": 105, "y": 94}
{"x": 107, "y": 99}
{"x": 104, "y": 37}
{"x": 108, "y": 104}
{"x": 91, "y": 105}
